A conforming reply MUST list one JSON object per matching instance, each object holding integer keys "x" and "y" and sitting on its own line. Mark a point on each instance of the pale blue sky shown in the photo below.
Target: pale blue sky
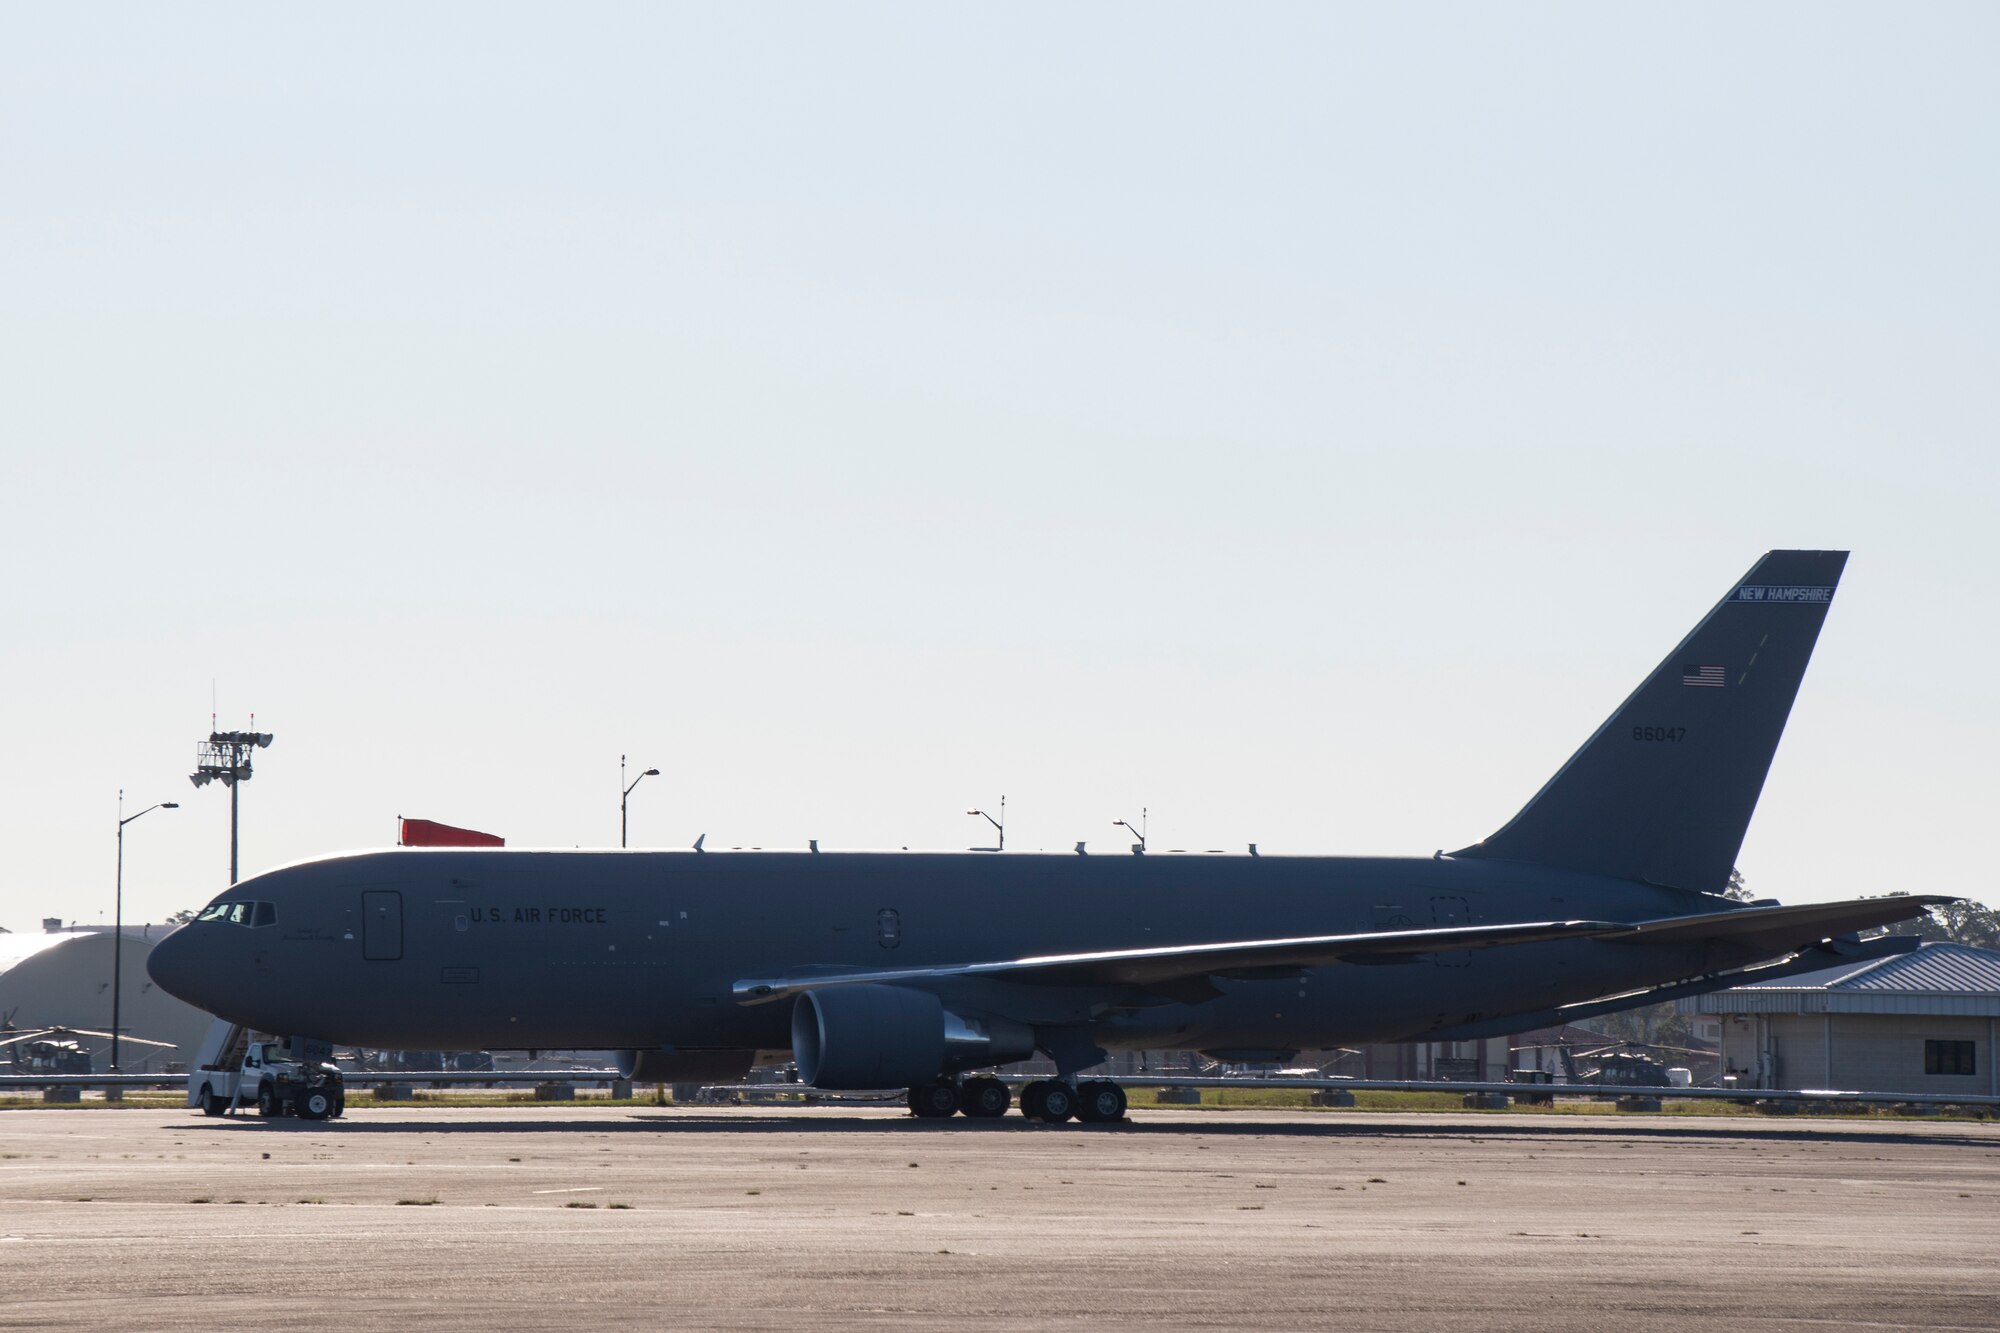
{"x": 1306, "y": 422}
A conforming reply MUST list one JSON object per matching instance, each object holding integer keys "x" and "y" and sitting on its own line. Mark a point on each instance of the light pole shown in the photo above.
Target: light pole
{"x": 1139, "y": 833}
{"x": 649, "y": 773}
{"x": 118, "y": 917}
{"x": 999, "y": 825}
{"x": 225, "y": 757}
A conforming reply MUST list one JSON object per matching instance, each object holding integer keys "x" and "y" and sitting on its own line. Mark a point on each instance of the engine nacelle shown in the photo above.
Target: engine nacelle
{"x": 685, "y": 1066}
{"x": 847, "y": 1037}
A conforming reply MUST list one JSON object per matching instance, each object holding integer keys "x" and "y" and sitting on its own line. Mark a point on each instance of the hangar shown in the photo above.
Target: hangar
{"x": 1927, "y": 1021}
{"x": 62, "y": 978}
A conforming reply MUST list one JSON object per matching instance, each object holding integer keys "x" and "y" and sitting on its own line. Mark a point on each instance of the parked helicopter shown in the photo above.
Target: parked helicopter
{"x": 59, "y": 1050}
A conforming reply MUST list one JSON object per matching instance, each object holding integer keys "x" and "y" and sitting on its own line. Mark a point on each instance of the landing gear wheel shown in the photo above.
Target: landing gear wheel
{"x": 1100, "y": 1102}
{"x": 1054, "y": 1101}
{"x": 211, "y": 1104}
{"x": 339, "y": 1106}
{"x": 267, "y": 1105}
{"x": 315, "y": 1105}
{"x": 984, "y": 1098}
{"x": 934, "y": 1101}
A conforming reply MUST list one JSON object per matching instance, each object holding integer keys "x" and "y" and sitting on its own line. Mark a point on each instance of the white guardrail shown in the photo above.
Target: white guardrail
{"x": 1811, "y": 1096}
{"x": 1519, "y": 1090}
{"x": 359, "y": 1076}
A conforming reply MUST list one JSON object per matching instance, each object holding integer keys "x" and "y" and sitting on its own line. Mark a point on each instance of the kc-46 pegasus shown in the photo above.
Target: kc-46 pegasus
{"x": 925, "y": 970}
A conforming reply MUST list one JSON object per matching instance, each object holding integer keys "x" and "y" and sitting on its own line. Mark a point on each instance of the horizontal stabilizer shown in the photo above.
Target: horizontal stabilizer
{"x": 1140, "y": 967}
{"x": 1772, "y": 930}
{"x": 1816, "y": 959}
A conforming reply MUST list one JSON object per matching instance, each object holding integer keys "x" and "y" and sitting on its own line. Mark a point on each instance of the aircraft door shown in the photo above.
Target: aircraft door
{"x": 382, "y": 925}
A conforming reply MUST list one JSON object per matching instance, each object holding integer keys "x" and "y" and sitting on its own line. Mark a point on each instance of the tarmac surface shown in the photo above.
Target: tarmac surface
{"x": 567, "y": 1215}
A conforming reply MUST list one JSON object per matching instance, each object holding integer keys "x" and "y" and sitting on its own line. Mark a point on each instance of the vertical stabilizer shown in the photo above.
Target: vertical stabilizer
{"x": 1664, "y": 790}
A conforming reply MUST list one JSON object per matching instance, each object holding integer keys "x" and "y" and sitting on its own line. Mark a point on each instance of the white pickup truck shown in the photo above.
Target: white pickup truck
{"x": 247, "y": 1070}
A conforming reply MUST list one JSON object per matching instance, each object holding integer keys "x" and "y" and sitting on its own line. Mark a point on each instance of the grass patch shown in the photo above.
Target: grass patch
{"x": 1384, "y": 1100}
{"x": 358, "y": 1089}
{"x": 1301, "y": 1099}
{"x": 133, "y": 1101}
{"x": 1140, "y": 1098}
{"x": 579, "y": 1203}
{"x": 417, "y": 1203}
{"x": 515, "y": 1096}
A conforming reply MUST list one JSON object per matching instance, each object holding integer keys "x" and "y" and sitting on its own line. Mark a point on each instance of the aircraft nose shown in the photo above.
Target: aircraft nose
{"x": 180, "y": 967}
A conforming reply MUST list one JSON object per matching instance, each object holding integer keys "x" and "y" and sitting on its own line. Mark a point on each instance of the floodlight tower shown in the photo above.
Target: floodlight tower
{"x": 225, "y": 757}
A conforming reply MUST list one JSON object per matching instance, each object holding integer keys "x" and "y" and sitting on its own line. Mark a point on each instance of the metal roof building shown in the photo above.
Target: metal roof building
{"x": 62, "y": 978}
{"x": 1926, "y": 1021}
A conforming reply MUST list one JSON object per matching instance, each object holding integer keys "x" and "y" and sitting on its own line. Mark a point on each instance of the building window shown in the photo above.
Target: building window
{"x": 1949, "y": 1057}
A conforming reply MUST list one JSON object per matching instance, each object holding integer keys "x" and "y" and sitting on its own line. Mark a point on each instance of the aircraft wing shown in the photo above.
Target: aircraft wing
{"x": 1782, "y": 929}
{"x": 1766, "y": 930}
{"x": 1174, "y": 962}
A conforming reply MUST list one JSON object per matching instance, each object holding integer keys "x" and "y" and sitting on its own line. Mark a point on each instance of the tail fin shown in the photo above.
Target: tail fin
{"x": 1663, "y": 791}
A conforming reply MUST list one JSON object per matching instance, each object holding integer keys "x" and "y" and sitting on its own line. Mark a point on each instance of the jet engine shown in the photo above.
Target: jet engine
{"x": 894, "y": 1037}
{"x": 683, "y": 1066}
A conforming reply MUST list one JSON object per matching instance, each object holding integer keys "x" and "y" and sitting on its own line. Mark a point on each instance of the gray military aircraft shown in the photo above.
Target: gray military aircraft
{"x": 900, "y": 969}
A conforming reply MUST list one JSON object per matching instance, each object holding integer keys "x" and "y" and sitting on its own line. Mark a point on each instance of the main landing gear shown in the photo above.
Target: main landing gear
{"x": 1094, "y": 1101}
{"x": 1051, "y": 1101}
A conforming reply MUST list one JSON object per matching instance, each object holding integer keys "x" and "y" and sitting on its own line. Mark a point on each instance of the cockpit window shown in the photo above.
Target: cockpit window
{"x": 241, "y": 913}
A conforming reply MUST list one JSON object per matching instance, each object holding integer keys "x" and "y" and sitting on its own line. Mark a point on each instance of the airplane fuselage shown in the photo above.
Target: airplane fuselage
{"x": 471, "y": 949}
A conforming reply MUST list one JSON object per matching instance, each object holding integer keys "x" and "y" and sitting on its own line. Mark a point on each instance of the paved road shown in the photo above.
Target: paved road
{"x": 779, "y": 1218}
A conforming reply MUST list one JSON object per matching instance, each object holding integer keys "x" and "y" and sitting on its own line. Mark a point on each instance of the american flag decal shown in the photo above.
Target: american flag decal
{"x": 1707, "y": 677}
